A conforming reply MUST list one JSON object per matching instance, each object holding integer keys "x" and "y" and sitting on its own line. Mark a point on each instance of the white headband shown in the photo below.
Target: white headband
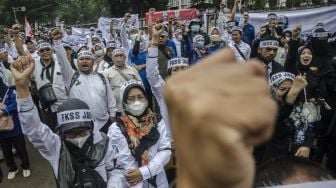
{"x": 278, "y": 78}
{"x": 197, "y": 37}
{"x": 272, "y": 16}
{"x": 85, "y": 53}
{"x": 111, "y": 45}
{"x": 43, "y": 45}
{"x": 127, "y": 84}
{"x": 74, "y": 116}
{"x": 165, "y": 33}
{"x": 118, "y": 51}
{"x": 269, "y": 43}
{"x": 320, "y": 34}
{"x": 178, "y": 62}
{"x": 231, "y": 24}
{"x": 237, "y": 28}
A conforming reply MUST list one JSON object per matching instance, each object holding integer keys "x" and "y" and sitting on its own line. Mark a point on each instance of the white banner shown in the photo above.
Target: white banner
{"x": 77, "y": 31}
{"x": 105, "y": 23}
{"x": 308, "y": 18}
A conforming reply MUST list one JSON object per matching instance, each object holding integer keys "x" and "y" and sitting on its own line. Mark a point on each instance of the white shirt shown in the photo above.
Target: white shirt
{"x": 178, "y": 47}
{"x": 159, "y": 156}
{"x": 89, "y": 88}
{"x": 244, "y": 48}
{"x": 49, "y": 144}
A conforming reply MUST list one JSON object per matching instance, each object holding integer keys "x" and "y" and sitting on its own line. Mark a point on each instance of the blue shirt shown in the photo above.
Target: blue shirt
{"x": 248, "y": 34}
{"x": 140, "y": 59}
{"x": 171, "y": 44}
{"x": 11, "y": 109}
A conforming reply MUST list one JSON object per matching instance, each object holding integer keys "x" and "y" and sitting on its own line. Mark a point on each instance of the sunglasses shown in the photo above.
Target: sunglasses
{"x": 44, "y": 50}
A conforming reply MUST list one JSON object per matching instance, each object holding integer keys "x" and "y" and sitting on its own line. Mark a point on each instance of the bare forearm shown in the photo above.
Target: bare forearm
{"x": 22, "y": 89}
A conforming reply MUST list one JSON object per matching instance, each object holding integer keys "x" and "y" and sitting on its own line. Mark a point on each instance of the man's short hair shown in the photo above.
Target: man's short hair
{"x": 276, "y": 171}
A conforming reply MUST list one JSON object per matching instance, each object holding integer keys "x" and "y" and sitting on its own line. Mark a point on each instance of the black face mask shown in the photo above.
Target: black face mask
{"x": 80, "y": 153}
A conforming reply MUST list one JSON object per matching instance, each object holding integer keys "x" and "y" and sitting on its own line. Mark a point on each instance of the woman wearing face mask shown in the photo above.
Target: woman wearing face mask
{"x": 195, "y": 29}
{"x": 199, "y": 49}
{"x": 118, "y": 74}
{"x": 139, "y": 138}
{"x": 217, "y": 42}
{"x": 285, "y": 88}
{"x": 99, "y": 64}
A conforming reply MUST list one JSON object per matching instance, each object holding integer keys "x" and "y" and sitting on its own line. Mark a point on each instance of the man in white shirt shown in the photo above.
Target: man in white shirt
{"x": 87, "y": 85}
{"x": 241, "y": 49}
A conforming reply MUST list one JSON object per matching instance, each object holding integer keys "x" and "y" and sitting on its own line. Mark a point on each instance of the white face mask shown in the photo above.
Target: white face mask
{"x": 137, "y": 108}
{"x": 99, "y": 53}
{"x": 133, "y": 37}
{"x": 179, "y": 37}
{"x": 79, "y": 142}
{"x": 119, "y": 63}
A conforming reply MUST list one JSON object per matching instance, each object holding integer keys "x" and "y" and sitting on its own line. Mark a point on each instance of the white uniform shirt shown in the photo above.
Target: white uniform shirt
{"x": 49, "y": 143}
{"x": 159, "y": 156}
{"x": 157, "y": 83}
{"x": 57, "y": 85}
{"x": 90, "y": 88}
{"x": 244, "y": 48}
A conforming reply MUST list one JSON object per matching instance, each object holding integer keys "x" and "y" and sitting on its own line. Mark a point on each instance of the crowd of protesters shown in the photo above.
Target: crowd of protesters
{"x": 97, "y": 112}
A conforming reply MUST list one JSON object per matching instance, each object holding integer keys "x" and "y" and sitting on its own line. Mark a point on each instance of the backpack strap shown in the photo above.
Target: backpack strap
{"x": 74, "y": 79}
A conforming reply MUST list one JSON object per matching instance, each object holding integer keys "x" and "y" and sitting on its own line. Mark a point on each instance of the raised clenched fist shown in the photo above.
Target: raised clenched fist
{"x": 22, "y": 69}
{"x": 151, "y": 11}
{"x": 56, "y": 34}
{"x": 219, "y": 110}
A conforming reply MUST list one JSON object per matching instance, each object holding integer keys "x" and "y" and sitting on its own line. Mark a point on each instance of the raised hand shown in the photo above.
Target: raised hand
{"x": 22, "y": 68}
{"x": 16, "y": 28}
{"x": 151, "y": 11}
{"x": 158, "y": 29}
{"x": 219, "y": 110}
{"x": 56, "y": 34}
{"x": 127, "y": 17}
{"x": 299, "y": 83}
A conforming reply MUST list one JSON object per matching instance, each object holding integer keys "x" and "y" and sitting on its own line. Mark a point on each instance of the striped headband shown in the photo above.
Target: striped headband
{"x": 269, "y": 43}
{"x": 237, "y": 28}
{"x": 118, "y": 51}
{"x": 85, "y": 53}
{"x": 43, "y": 45}
{"x": 74, "y": 116}
{"x": 278, "y": 78}
{"x": 178, "y": 62}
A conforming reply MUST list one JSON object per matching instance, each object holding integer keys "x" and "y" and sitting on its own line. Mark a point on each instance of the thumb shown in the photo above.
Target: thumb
{"x": 298, "y": 152}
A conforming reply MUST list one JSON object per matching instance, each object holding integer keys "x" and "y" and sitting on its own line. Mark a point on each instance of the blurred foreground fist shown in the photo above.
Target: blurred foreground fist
{"x": 219, "y": 110}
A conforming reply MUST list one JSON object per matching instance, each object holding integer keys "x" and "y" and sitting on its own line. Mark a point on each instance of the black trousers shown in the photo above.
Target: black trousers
{"x": 49, "y": 118}
{"x": 19, "y": 144}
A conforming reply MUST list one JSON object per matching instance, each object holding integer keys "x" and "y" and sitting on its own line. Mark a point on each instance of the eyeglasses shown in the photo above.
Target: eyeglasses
{"x": 44, "y": 50}
{"x": 77, "y": 133}
{"x": 132, "y": 99}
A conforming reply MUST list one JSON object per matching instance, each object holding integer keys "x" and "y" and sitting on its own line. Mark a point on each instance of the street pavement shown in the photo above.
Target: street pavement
{"x": 41, "y": 172}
